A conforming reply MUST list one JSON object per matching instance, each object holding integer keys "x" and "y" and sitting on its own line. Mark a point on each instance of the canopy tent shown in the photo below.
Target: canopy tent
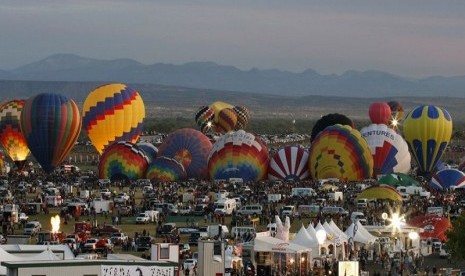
{"x": 338, "y": 231}
{"x": 383, "y": 192}
{"x": 311, "y": 230}
{"x": 398, "y": 179}
{"x": 358, "y": 233}
{"x": 304, "y": 239}
{"x": 271, "y": 244}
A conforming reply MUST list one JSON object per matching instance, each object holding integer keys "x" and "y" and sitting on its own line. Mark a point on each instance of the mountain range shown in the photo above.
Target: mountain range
{"x": 208, "y": 75}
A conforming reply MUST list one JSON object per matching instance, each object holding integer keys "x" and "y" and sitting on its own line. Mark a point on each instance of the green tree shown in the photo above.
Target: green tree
{"x": 456, "y": 238}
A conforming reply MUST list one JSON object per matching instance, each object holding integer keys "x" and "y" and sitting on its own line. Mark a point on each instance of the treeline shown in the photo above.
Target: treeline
{"x": 266, "y": 126}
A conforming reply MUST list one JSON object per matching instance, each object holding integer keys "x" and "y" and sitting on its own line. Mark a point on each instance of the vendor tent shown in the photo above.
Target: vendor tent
{"x": 358, "y": 233}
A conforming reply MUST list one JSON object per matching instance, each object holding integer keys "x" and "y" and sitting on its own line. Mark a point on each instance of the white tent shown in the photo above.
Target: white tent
{"x": 361, "y": 234}
{"x": 311, "y": 230}
{"x": 303, "y": 238}
{"x": 46, "y": 255}
{"x": 338, "y": 231}
{"x": 270, "y": 244}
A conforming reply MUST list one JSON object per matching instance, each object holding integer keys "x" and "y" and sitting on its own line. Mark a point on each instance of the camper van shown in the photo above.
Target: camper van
{"x": 225, "y": 206}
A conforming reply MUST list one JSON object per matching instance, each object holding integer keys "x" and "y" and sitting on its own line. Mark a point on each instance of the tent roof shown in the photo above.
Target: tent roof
{"x": 270, "y": 244}
{"x": 362, "y": 235}
{"x": 303, "y": 238}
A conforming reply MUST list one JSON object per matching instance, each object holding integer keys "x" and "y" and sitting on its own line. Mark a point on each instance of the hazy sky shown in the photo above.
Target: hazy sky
{"x": 414, "y": 38}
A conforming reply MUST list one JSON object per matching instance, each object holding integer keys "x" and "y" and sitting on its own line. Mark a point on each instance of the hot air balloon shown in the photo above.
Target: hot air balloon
{"x": 217, "y": 107}
{"x": 165, "y": 169}
{"x": 122, "y": 160}
{"x": 51, "y": 124}
{"x": 390, "y": 151}
{"x": 381, "y": 192}
{"x": 238, "y": 154}
{"x": 397, "y": 114}
{"x": 243, "y": 116}
{"x": 379, "y": 113}
{"x": 340, "y": 152}
{"x": 227, "y": 120}
{"x": 204, "y": 118}
{"x": 149, "y": 149}
{"x": 427, "y": 130}
{"x": 447, "y": 178}
{"x": 111, "y": 113}
{"x": 190, "y": 147}
{"x": 11, "y": 137}
{"x": 289, "y": 163}
{"x": 329, "y": 120}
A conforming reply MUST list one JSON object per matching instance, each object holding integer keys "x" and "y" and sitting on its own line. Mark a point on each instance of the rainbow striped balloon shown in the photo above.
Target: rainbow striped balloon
{"x": 123, "y": 160}
{"x": 111, "y": 113}
{"x": 165, "y": 169}
{"x": 340, "y": 151}
{"x": 190, "y": 147}
{"x": 238, "y": 154}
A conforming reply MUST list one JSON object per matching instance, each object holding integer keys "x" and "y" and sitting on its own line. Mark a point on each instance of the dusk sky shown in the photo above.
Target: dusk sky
{"x": 414, "y": 38}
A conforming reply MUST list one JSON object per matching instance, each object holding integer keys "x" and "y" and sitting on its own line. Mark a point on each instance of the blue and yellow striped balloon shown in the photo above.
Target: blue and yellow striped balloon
{"x": 111, "y": 113}
{"x": 427, "y": 130}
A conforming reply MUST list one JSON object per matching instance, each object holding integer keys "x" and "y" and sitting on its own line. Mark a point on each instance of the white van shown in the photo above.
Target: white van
{"x": 225, "y": 206}
{"x": 333, "y": 210}
{"x": 302, "y": 192}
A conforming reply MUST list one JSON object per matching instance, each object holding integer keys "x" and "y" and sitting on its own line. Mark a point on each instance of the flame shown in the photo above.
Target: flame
{"x": 55, "y": 221}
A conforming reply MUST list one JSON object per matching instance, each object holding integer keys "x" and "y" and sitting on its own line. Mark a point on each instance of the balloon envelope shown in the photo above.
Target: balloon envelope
{"x": 329, "y": 120}
{"x": 434, "y": 226}
{"x": 397, "y": 114}
{"x": 379, "y": 113}
{"x": 238, "y": 154}
{"x": 51, "y": 124}
{"x": 149, "y": 149}
{"x": 122, "y": 160}
{"x": 191, "y": 148}
{"x": 340, "y": 152}
{"x": 383, "y": 192}
{"x": 427, "y": 130}
{"x": 165, "y": 169}
{"x": 111, "y": 113}
{"x": 289, "y": 163}
{"x": 390, "y": 151}
{"x": 448, "y": 178}
{"x": 11, "y": 137}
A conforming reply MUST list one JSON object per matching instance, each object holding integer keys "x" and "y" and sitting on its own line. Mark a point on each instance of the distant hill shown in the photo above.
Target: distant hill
{"x": 208, "y": 75}
{"x": 175, "y": 101}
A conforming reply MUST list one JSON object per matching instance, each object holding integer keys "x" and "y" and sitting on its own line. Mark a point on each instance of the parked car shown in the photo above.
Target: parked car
{"x": 118, "y": 238}
{"x": 32, "y": 228}
{"x": 106, "y": 230}
{"x": 121, "y": 198}
{"x": 167, "y": 229}
{"x": 189, "y": 264}
{"x": 142, "y": 218}
{"x": 185, "y": 211}
{"x": 23, "y": 217}
{"x": 143, "y": 243}
{"x": 90, "y": 245}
